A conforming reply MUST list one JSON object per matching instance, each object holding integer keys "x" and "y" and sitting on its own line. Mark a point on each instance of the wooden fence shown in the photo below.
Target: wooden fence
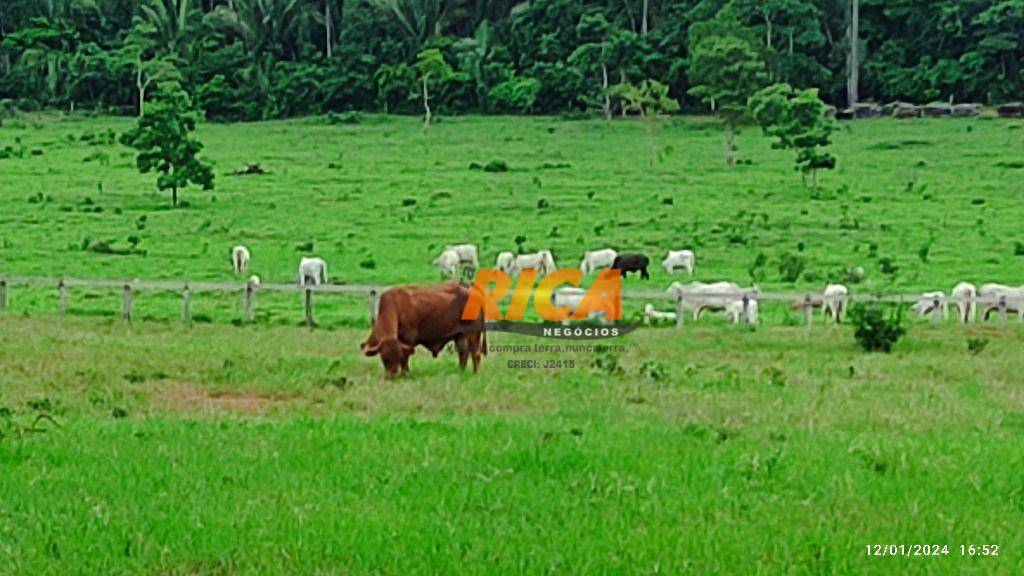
{"x": 807, "y": 302}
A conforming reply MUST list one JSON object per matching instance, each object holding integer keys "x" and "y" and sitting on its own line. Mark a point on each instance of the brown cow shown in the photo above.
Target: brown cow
{"x": 429, "y": 316}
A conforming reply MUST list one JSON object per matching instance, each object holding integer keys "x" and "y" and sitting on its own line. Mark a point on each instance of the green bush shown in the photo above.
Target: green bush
{"x": 874, "y": 330}
{"x": 496, "y": 166}
{"x": 791, "y": 267}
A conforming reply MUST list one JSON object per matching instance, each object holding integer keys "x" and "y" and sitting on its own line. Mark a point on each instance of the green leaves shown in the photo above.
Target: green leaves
{"x": 798, "y": 119}
{"x": 431, "y": 63}
{"x": 649, "y": 98}
{"x": 162, "y": 137}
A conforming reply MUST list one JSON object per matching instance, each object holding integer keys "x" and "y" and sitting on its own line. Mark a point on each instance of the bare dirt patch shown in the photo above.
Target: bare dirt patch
{"x": 190, "y": 397}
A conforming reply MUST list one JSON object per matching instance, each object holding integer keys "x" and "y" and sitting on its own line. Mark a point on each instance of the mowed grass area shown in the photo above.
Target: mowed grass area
{"x": 920, "y": 205}
{"x": 276, "y": 450}
{"x": 271, "y": 449}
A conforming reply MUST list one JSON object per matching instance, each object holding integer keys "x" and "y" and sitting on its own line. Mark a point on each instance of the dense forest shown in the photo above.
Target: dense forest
{"x": 257, "y": 59}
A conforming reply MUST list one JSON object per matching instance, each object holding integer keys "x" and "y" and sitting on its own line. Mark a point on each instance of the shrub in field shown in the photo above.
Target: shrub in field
{"x": 791, "y": 266}
{"x": 888, "y": 266}
{"x": 653, "y": 370}
{"x": 875, "y": 330}
{"x": 848, "y": 275}
{"x": 496, "y": 166}
{"x": 608, "y": 363}
{"x": 756, "y": 269}
{"x": 774, "y": 376}
{"x": 923, "y": 251}
{"x": 977, "y": 345}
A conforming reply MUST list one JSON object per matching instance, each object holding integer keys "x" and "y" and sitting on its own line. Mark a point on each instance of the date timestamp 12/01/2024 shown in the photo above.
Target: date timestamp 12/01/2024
{"x": 930, "y": 549}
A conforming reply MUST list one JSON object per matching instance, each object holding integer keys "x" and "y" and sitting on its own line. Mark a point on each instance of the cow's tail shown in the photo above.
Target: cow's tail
{"x": 483, "y": 349}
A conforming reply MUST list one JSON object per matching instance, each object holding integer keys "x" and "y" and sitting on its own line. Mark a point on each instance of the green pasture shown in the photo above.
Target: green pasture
{"x": 278, "y": 450}
{"x": 225, "y": 448}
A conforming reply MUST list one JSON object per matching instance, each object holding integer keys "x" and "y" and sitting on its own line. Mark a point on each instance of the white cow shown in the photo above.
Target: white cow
{"x": 568, "y": 297}
{"x": 448, "y": 263}
{"x": 700, "y": 296}
{"x": 312, "y": 271}
{"x": 834, "y": 302}
{"x": 734, "y": 311}
{"x": 543, "y": 262}
{"x": 594, "y": 260}
{"x": 679, "y": 259}
{"x": 964, "y": 294}
{"x": 504, "y": 262}
{"x": 467, "y": 253}
{"x": 925, "y": 304}
{"x": 652, "y": 316}
{"x": 240, "y": 259}
{"x": 993, "y": 294}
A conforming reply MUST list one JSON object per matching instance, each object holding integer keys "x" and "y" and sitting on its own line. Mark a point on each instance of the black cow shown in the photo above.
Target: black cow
{"x": 627, "y": 263}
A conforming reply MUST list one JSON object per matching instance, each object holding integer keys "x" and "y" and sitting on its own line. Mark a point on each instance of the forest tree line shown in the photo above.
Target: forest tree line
{"x": 260, "y": 59}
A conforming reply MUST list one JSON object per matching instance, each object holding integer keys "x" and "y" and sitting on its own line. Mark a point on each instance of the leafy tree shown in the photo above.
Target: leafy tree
{"x": 162, "y": 137}
{"x": 138, "y": 55}
{"x": 649, "y": 100}
{"x": 594, "y": 32}
{"x": 432, "y": 67}
{"x": 874, "y": 331}
{"x": 171, "y": 21}
{"x": 725, "y": 70}
{"x": 799, "y": 120}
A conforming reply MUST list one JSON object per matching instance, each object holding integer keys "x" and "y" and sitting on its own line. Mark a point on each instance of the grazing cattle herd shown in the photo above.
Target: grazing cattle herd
{"x": 431, "y": 316}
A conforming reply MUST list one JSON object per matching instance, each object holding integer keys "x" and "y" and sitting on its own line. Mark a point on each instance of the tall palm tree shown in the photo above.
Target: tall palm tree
{"x": 173, "y": 20}
{"x": 419, "y": 20}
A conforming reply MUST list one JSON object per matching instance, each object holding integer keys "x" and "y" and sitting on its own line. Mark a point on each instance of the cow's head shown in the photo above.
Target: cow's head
{"x": 393, "y": 354}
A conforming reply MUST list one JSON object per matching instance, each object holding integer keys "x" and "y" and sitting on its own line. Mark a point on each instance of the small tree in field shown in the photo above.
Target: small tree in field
{"x": 650, "y": 100}
{"x": 799, "y": 120}
{"x": 432, "y": 67}
{"x": 162, "y": 137}
{"x": 726, "y": 69}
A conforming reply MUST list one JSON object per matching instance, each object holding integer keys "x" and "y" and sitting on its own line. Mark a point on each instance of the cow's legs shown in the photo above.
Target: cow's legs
{"x": 462, "y": 345}
{"x": 644, "y": 275}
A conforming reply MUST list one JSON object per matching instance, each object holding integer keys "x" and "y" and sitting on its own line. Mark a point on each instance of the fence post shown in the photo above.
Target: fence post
{"x": 746, "y": 308}
{"x": 373, "y": 307}
{"x": 62, "y": 289}
{"x": 250, "y": 294}
{"x": 1002, "y": 307}
{"x": 808, "y": 310}
{"x": 680, "y": 314}
{"x": 309, "y": 307}
{"x": 186, "y": 304}
{"x": 126, "y": 303}
{"x": 3, "y": 295}
{"x": 936, "y": 311}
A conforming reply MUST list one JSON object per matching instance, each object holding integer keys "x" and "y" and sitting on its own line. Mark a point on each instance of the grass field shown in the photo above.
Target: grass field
{"x": 272, "y": 449}
{"x": 378, "y": 200}
{"x": 275, "y": 450}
